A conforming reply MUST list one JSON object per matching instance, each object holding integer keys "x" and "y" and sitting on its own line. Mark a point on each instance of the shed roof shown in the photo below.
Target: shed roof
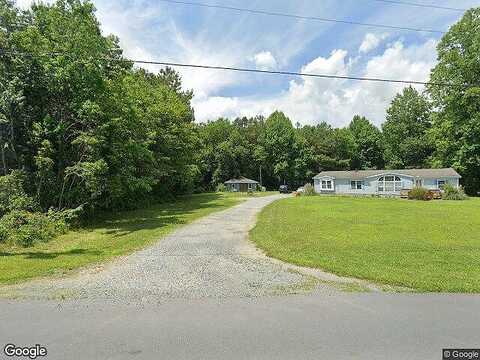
{"x": 242, "y": 180}
{"x": 362, "y": 174}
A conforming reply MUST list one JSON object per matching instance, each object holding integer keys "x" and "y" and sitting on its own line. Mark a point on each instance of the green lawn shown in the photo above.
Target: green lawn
{"x": 428, "y": 246}
{"x": 116, "y": 235}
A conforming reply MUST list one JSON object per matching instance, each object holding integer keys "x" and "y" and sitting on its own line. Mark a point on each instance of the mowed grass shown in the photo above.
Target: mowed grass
{"x": 429, "y": 246}
{"x": 111, "y": 236}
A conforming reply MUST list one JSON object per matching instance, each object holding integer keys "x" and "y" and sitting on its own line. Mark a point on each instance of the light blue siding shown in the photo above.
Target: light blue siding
{"x": 432, "y": 184}
{"x": 370, "y": 185}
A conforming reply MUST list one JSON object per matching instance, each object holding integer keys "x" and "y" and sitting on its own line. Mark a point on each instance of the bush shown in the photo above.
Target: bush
{"x": 26, "y": 228}
{"x": 419, "y": 193}
{"x": 452, "y": 193}
{"x": 12, "y": 193}
{"x": 308, "y": 190}
{"x": 221, "y": 188}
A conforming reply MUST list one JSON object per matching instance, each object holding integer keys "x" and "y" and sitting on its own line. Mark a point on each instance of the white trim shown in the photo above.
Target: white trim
{"x": 324, "y": 185}
{"x": 324, "y": 177}
{"x": 445, "y": 182}
{"x": 362, "y": 185}
{"x": 394, "y": 183}
{"x": 387, "y": 174}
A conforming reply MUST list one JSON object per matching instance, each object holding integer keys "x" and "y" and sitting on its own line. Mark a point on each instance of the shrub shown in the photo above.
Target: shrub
{"x": 12, "y": 193}
{"x": 221, "y": 188}
{"x": 308, "y": 190}
{"x": 26, "y": 228}
{"x": 452, "y": 193}
{"x": 419, "y": 193}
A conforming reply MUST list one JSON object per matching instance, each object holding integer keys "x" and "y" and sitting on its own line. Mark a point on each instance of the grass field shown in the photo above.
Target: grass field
{"x": 429, "y": 246}
{"x": 111, "y": 236}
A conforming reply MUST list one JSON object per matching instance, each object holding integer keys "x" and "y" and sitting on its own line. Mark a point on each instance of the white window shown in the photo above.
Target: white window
{"x": 389, "y": 184}
{"x": 356, "y": 184}
{"x": 250, "y": 186}
{"x": 441, "y": 184}
{"x": 327, "y": 185}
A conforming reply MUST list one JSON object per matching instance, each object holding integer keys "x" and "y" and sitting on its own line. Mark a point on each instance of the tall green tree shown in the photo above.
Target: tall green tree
{"x": 85, "y": 127}
{"x": 280, "y": 146}
{"x": 368, "y": 152}
{"x": 405, "y": 131}
{"x": 331, "y": 149}
{"x": 456, "y": 124}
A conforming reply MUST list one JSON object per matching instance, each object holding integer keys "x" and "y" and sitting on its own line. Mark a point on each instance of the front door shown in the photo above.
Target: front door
{"x": 418, "y": 183}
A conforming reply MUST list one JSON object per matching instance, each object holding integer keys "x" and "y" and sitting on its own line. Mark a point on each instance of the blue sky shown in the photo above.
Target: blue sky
{"x": 155, "y": 30}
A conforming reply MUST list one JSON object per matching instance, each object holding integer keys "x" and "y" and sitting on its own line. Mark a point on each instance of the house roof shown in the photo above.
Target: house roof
{"x": 242, "y": 180}
{"x": 362, "y": 174}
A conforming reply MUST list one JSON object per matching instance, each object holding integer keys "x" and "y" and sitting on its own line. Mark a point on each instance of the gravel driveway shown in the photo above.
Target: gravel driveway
{"x": 211, "y": 257}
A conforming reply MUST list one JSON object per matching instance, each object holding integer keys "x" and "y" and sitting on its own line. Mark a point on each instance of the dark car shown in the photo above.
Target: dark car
{"x": 284, "y": 189}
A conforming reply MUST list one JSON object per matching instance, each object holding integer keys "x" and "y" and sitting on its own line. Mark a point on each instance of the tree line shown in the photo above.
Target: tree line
{"x": 86, "y": 128}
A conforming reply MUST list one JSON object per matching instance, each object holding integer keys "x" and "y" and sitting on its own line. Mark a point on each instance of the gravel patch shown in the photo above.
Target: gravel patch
{"x": 211, "y": 257}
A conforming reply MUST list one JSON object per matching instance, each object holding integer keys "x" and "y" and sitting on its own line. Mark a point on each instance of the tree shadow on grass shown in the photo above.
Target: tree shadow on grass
{"x": 51, "y": 255}
{"x": 156, "y": 216}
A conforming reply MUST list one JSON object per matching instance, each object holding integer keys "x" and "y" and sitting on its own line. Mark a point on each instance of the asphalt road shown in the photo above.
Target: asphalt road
{"x": 205, "y": 292}
{"x": 316, "y": 326}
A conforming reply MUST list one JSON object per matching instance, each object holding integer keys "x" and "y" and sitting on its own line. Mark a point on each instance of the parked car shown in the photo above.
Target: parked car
{"x": 284, "y": 189}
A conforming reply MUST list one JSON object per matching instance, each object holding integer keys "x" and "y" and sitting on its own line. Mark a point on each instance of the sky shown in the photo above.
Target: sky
{"x": 167, "y": 32}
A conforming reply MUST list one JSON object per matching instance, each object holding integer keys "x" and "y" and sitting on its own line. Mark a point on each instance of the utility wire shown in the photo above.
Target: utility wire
{"x": 421, "y": 5}
{"x": 300, "y": 17}
{"x": 249, "y": 70}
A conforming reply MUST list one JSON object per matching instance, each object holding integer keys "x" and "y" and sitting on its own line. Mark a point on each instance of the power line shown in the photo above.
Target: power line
{"x": 300, "y": 17}
{"x": 421, "y": 5}
{"x": 249, "y": 70}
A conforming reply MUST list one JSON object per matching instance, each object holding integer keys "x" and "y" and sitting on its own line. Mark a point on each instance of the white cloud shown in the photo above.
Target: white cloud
{"x": 371, "y": 42}
{"x": 155, "y": 31}
{"x": 265, "y": 61}
{"x": 310, "y": 100}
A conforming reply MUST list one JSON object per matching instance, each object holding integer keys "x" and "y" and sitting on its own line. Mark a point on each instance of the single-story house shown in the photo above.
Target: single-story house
{"x": 383, "y": 182}
{"x": 242, "y": 185}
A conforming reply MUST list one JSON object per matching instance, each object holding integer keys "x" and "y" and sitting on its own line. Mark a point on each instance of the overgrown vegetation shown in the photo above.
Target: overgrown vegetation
{"x": 308, "y": 190}
{"x": 419, "y": 193}
{"x": 428, "y": 246}
{"x": 86, "y": 130}
{"x": 452, "y": 193}
{"x": 108, "y": 236}
{"x": 21, "y": 222}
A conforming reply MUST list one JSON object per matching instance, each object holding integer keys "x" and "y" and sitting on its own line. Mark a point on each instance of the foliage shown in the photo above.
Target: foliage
{"x": 428, "y": 246}
{"x": 87, "y": 128}
{"x": 452, "y": 193}
{"x": 280, "y": 146}
{"x": 456, "y": 125}
{"x": 91, "y": 132}
{"x": 308, "y": 190}
{"x": 221, "y": 187}
{"x": 368, "y": 152}
{"x": 405, "y": 131}
{"x": 12, "y": 194}
{"x": 419, "y": 193}
{"x": 26, "y": 228}
{"x": 110, "y": 235}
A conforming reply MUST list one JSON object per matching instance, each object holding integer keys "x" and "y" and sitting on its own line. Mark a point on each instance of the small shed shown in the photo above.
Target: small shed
{"x": 242, "y": 185}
